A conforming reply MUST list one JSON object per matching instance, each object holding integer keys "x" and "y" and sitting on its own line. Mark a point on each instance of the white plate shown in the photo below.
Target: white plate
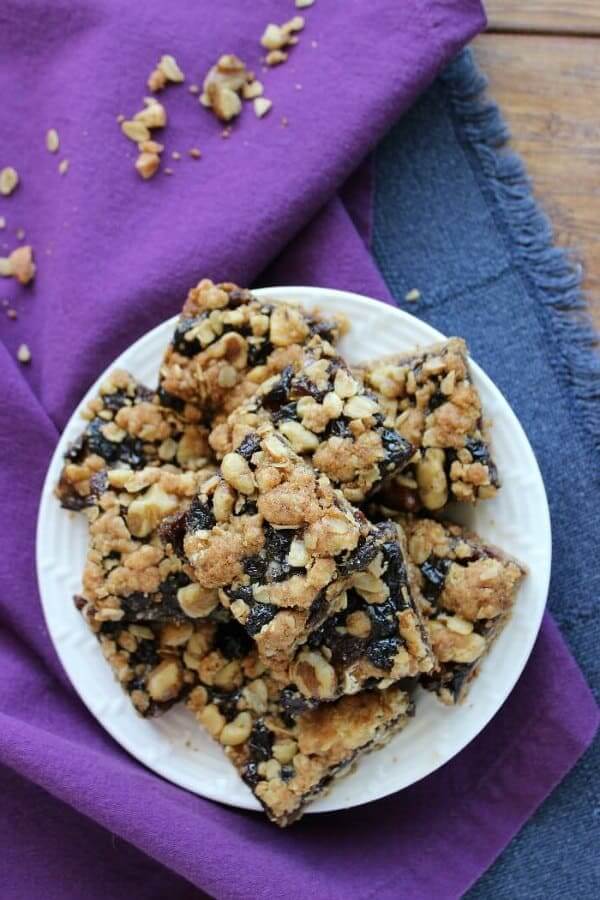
{"x": 173, "y": 746}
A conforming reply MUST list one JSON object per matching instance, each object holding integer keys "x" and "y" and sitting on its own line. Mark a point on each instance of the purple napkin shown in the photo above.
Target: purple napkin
{"x": 115, "y": 256}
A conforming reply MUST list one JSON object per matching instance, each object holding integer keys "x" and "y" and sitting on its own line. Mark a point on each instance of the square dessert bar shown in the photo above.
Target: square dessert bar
{"x": 156, "y": 663}
{"x": 429, "y": 398}
{"x": 130, "y": 575}
{"x": 227, "y": 342}
{"x": 467, "y": 590}
{"x": 128, "y": 428}
{"x": 284, "y": 549}
{"x": 287, "y": 755}
{"x": 328, "y": 417}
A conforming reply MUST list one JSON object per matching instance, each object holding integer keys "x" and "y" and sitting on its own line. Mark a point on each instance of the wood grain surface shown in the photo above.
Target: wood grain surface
{"x": 548, "y": 87}
{"x": 552, "y": 16}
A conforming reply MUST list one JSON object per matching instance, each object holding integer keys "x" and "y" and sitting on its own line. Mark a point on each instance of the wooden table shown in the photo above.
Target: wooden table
{"x": 542, "y": 58}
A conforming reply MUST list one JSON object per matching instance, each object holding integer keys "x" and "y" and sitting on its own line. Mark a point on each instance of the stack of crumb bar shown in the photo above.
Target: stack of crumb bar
{"x": 269, "y": 543}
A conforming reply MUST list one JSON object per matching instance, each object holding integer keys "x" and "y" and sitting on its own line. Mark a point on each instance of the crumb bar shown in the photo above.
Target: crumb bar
{"x": 467, "y": 589}
{"x": 128, "y": 427}
{"x": 287, "y": 755}
{"x": 227, "y": 342}
{"x": 429, "y": 398}
{"x": 377, "y": 638}
{"x": 328, "y": 417}
{"x": 284, "y": 549}
{"x": 156, "y": 664}
{"x": 130, "y": 574}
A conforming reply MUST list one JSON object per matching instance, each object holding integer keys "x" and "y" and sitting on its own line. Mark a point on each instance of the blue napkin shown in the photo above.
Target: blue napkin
{"x": 454, "y": 217}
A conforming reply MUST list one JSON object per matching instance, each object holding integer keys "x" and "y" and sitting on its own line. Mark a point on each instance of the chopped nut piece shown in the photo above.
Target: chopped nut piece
{"x": 412, "y": 296}
{"x": 275, "y": 57}
{"x": 52, "y": 140}
{"x": 166, "y": 70}
{"x": 20, "y": 233}
{"x": 168, "y": 171}
{"x": 252, "y": 90}
{"x": 19, "y": 265}
{"x": 9, "y": 179}
{"x": 154, "y": 115}
{"x": 2, "y": 222}
{"x": 194, "y": 89}
{"x": 195, "y": 153}
{"x": 304, "y": 4}
{"x": 147, "y": 164}
{"x": 24, "y": 354}
{"x": 11, "y": 313}
{"x": 175, "y": 154}
{"x": 136, "y": 131}
{"x": 150, "y": 147}
{"x": 121, "y": 118}
{"x": 222, "y": 85}
{"x": 63, "y": 166}
{"x": 274, "y": 37}
{"x": 262, "y": 106}
{"x": 224, "y": 102}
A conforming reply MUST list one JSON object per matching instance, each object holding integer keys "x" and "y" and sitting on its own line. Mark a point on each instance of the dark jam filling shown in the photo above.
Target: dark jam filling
{"x": 183, "y": 345}
{"x": 161, "y": 606}
{"x": 200, "y": 517}
{"x": 398, "y": 450}
{"x": 170, "y": 401}
{"x": 434, "y": 571}
{"x": 279, "y": 393}
{"x": 260, "y": 742}
{"x": 129, "y": 451}
{"x": 249, "y": 446}
{"x": 260, "y": 615}
{"x": 232, "y": 640}
{"x": 172, "y": 531}
{"x": 382, "y": 644}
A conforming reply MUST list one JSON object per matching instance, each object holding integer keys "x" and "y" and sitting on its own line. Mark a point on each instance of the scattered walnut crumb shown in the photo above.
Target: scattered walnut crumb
{"x": 166, "y": 70}
{"x": 24, "y": 354}
{"x": 19, "y": 265}
{"x": 298, "y": 86}
{"x": 150, "y": 147}
{"x": 277, "y": 36}
{"x": 284, "y": 121}
{"x": 412, "y": 296}
{"x": 262, "y": 106}
{"x": 135, "y": 131}
{"x": 63, "y": 166}
{"x": 175, "y": 154}
{"x": 252, "y": 89}
{"x": 304, "y": 4}
{"x": 9, "y": 180}
{"x": 195, "y": 153}
{"x": 146, "y": 164}
{"x": 168, "y": 171}
{"x": 20, "y": 233}
{"x": 52, "y": 140}
{"x": 154, "y": 115}
{"x": 2, "y": 222}
{"x": 226, "y": 133}
{"x": 222, "y": 85}
{"x": 194, "y": 89}
{"x": 120, "y": 118}
{"x": 314, "y": 44}
{"x": 275, "y": 57}
{"x": 11, "y": 313}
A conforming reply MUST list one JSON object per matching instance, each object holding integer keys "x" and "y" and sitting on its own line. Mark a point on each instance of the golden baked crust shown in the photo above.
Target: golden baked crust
{"x": 227, "y": 342}
{"x": 328, "y": 417}
{"x": 429, "y": 398}
{"x": 130, "y": 574}
{"x": 323, "y": 592}
{"x": 287, "y": 752}
{"x": 128, "y": 427}
{"x": 466, "y": 589}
